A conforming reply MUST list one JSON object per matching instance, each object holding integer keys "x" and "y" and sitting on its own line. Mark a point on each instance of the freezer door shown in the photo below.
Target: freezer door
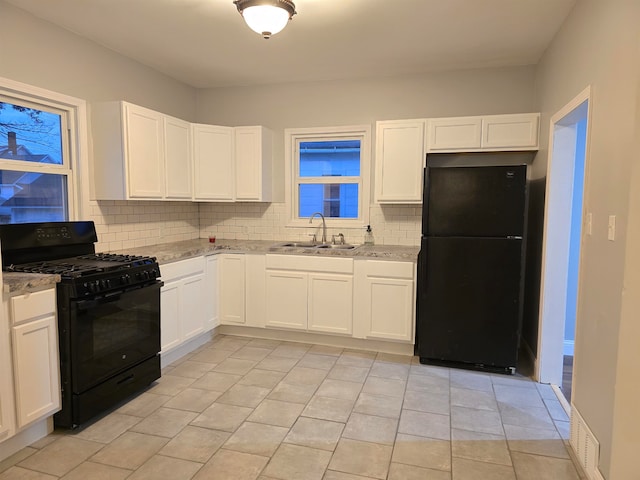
{"x": 475, "y": 201}
{"x": 469, "y": 300}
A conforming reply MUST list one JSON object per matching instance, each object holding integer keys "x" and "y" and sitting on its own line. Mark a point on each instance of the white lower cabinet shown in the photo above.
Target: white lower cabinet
{"x": 182, "y": 302}
{"x": 330, "y": 308}
{"x": 286, "y": 299}
{"x": 384, "y": 300}
{"x": 212, "y": 319}
{"x": 232, "y": 289}
{"x": 34, "y": 358}
{"x": 309, "y": 293}
{"x": 36, "y": 369}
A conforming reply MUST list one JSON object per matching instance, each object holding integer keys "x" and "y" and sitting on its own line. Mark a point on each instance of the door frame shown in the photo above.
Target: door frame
{"x": 548, "y": 364}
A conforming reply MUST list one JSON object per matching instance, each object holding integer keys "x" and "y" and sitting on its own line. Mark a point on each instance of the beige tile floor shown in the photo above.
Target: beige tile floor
{"x": 246, "y": 409}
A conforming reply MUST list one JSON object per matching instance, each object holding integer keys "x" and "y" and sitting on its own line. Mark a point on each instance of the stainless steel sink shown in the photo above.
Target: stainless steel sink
{"x": 344, "y": 246}
{"x": 298, "y": 244}
{"x": 315, "y": 245}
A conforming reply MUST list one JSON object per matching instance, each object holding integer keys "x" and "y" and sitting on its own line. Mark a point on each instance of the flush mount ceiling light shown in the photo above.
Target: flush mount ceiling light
{"x": 266, "y": 17}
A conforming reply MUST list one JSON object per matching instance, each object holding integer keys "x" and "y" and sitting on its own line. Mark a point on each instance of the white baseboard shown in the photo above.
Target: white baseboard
{"x": 167, "y": 358}
{"x": 567, "y": 347}
{"x": 26, "y": 437}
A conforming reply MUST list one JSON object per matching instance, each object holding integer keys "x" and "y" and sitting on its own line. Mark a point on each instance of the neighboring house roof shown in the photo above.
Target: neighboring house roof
{"x": 11, "y": 181}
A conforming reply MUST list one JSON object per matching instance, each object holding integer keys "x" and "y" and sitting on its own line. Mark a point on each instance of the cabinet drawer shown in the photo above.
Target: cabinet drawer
{"x": 182, "y": 268}
{"x": 310, "y": 264}
{"x": 389, "y": 269}
{"x": 33, "y": 305}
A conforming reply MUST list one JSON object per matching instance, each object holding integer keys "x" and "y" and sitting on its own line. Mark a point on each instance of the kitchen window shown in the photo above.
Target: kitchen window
{"x": 327, "y": 172}
{"x": 38, "y": 148}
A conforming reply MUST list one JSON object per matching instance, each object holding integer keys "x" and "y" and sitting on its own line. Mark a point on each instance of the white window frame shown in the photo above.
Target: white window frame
{"x": 75, "y": 149}
{"x": 293, "y": 137}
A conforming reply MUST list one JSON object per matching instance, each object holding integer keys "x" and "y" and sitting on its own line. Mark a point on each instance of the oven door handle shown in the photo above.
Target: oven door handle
{"x": 87, "y": 304}
{"x": 113, "y": 296}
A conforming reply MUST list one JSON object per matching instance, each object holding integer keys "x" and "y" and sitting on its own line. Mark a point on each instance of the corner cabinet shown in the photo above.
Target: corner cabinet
{"x": 213, "y": 158}
{"x": 139, "y": 154}
{"x": 232, "y": 289}
{"x": 483, "y": 133}
{"x": 384, "y": 300}
{"x": 253, "y": 164}
{"x": 400, "y": 150}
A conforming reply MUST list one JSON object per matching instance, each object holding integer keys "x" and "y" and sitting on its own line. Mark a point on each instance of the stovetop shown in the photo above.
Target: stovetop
{"x": 84, "y": 265}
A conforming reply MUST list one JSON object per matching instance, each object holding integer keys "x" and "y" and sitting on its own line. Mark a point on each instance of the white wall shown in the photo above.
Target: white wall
{"x": 443, "y": 94}
{"x": 598, "y": 45}
{"x": 38, "y": 53}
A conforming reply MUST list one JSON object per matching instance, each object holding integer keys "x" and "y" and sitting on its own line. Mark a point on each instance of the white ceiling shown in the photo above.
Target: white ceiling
{"x": 205, "y": 43}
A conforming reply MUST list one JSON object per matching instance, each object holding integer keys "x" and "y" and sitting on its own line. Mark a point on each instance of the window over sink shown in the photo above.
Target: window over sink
{"x": 327, "y": 172}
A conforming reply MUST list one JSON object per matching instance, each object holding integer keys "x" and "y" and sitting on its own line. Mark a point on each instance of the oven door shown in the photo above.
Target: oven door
{"x": 109, "y": 334}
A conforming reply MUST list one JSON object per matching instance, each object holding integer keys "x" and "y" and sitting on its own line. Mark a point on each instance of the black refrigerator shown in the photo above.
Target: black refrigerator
{"x": 471, "y": 266}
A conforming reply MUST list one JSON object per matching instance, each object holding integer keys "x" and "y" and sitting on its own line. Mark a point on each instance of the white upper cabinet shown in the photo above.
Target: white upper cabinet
{"x": 140, "y": 154}
{"x": 400, "y": 151}
{"x": 253, "y": 164}
{"x": 178, "y": 159}
{"x": 490, "y": 133}
{"x": 144, "y": 155}
{"x": 460, "y": 133}
{"x": 214, "y": 173}
{"x": 510, "y": 131}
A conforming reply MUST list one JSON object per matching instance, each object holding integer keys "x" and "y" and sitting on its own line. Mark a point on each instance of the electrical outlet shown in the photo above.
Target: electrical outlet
{"x": 611, "y": 230}
{"x": 588, "y": 223}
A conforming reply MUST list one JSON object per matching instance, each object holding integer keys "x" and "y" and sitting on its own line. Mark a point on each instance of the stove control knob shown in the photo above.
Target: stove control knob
{"x": 93, "y": 287}
{"x": 154, "y": 273}
{"x": 145, "y": 275}
{"x": 107, "y": 283}
{"x": 124, "y": 279}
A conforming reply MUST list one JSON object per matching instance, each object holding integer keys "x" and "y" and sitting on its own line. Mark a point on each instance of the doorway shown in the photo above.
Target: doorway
{"x": 565, "y": 225}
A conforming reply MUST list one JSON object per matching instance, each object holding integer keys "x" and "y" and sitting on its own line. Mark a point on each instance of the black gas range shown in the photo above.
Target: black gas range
{"x": 108, "y": 309}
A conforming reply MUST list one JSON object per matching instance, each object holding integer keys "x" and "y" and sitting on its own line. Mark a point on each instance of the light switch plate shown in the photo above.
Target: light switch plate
{"x": 611, "y": 230}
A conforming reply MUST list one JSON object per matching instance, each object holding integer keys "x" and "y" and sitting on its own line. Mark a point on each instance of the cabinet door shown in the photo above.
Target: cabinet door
{"x": 399, "y": 161}
{"x": 192, "y": 309}
{"x": 169, "y": 316}
{"x": 178, "y": 159}
{"x": 214, "y": 176}
{"x": 459, "y": 133}
{"x": 232, "y": 287}
{"x": 211, "y": 293}
{"x": 6, "y": 383}
{"x": 389, "y": 308}
{"x": 253, "y": 164}
{"x": 330, "y": 303}
{"x": 36, "y": 369}
{"x": 144, "y": 152}
{"x": 510, "y": 131}
{"x": 286, "y": 299}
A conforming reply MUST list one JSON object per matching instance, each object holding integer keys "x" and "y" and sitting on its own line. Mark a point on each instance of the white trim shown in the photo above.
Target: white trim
{"x": 568, "y": 347}
{"x": 292, "y": 135}
{"x": 79, "y": 177}
{"x": 543, "y": 372}
{"x": 562, "y": 399}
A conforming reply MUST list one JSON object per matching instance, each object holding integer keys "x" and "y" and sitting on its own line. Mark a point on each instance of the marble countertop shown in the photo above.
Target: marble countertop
{"x": 16, "y": 283}
{"x": 171, "y": 252}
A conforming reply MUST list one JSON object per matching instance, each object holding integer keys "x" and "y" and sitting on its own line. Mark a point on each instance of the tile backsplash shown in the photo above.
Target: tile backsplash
{"x": 129, "y": 224}
{"x": 391, "y": 225}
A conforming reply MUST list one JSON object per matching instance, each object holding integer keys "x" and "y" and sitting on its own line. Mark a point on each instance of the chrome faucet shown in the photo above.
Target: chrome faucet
{"x": 324, "y": 225}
